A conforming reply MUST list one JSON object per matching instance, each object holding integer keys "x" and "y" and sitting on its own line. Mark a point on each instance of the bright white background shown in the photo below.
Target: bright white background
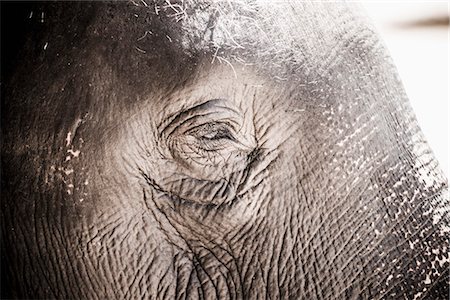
{"x": 421, "y": 54}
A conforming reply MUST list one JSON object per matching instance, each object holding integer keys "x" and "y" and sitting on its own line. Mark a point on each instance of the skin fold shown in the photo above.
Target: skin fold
{"x": 212, "y": 150}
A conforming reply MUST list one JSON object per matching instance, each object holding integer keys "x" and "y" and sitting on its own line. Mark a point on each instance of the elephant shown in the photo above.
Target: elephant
{"x": 236, "y": 149}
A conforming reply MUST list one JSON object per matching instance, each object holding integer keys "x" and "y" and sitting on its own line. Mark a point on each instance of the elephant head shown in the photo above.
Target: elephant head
{"x": 213, "y": 150}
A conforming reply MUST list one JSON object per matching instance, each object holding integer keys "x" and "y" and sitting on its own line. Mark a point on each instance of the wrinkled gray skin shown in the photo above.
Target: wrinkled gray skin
{"x": 224, "y": 150}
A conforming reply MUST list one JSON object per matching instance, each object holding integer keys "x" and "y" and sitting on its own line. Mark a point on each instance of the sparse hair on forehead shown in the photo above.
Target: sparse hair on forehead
{"x": 276, "y": 35}
{"x": 207, "y": 24}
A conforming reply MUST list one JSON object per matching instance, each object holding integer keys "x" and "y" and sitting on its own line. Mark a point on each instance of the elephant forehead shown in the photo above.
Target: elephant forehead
{"x": 275, "y": 34}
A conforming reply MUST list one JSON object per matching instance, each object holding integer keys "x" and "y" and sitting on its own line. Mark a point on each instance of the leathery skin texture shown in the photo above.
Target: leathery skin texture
{"x": 212, "y": 150}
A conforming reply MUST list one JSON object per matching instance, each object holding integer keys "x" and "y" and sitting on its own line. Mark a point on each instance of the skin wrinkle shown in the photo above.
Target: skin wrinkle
{"x": 195, "y": 264}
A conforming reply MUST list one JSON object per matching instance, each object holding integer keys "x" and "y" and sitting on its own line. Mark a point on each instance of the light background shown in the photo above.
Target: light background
{"x": 421, "y": 54}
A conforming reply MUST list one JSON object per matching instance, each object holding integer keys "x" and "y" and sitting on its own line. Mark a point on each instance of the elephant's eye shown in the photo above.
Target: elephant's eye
{"x": 212, "y": 132}
{"x": 209, "y": 148}
{"x": 209, "y": 131}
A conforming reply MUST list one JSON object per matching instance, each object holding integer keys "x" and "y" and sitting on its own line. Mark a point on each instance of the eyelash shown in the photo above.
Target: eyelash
{"x": 212, "y": 133}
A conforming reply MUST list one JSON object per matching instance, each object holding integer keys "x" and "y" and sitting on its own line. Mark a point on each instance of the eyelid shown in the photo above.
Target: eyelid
{"x": 210, "y": 118}
{"x": 211, "y": 110}
{"x": 213, "y": 126}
